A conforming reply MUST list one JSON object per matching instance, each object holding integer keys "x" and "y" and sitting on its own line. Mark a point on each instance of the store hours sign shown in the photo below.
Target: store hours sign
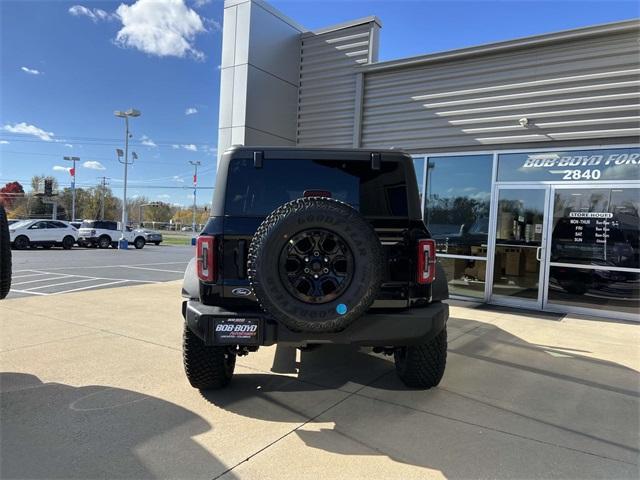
{"x": 570, "y": 166}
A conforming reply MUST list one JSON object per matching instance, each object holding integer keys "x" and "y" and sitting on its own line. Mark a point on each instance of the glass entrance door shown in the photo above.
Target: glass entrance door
{"x": 594, "y": 255}
{"x": 519, "y": 247}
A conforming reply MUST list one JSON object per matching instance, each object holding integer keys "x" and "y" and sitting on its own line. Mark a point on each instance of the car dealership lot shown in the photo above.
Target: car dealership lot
{"x": 38, "y": 272}
{"x": 93, "y": 386}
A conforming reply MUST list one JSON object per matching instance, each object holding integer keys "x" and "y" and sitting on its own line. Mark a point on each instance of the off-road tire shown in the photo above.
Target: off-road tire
{"x": 207, "y": 367}
{"x": 21, "y": 242}
{"x": 104, "y": 241}
{"x": 5, "y": 255}
{"x": 68, "y": 242}
{"x": 422, "y": 366}
{"x": 139, "y": 243}
{"x": 312, "y": 213}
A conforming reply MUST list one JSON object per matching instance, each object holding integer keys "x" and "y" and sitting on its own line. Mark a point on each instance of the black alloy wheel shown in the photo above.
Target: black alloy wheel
{"x": 21, "y": 242}
{"x": 104, "y": 242}
{"x": 68, "y": 242}
{"x": 316, "y": 266}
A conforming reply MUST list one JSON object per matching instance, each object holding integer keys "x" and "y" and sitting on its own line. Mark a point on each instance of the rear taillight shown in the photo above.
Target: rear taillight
{"x": 426, "y": 261}
{"x": 206, "y": 258}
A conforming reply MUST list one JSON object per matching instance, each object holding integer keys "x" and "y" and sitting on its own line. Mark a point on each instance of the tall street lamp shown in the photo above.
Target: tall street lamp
{"x": 132, "y": 112}
{"x": 73, "y": 185}
{"x": 195, "y": 187}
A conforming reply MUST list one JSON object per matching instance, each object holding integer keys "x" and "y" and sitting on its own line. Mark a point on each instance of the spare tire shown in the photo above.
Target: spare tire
{"x": 315, "y": 265}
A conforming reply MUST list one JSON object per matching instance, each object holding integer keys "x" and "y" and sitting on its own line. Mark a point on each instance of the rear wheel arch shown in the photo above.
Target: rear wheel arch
{"x": 68, "y": 241}
{"x": 104, "y": 241}
{"x": 21, "y": 241}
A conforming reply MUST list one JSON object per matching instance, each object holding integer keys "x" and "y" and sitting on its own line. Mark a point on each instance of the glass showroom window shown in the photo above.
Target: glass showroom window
{"x": 457, "y": 203}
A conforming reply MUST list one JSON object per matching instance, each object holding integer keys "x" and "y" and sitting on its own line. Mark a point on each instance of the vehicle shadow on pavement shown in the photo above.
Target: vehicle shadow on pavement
{"x": 52, "y": 430}
{"x": 495, "y": 383}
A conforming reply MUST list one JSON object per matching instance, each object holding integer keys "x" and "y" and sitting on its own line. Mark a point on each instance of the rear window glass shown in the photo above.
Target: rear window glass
{"x": 258, "y": 191}
{"x": 104, "y": 225}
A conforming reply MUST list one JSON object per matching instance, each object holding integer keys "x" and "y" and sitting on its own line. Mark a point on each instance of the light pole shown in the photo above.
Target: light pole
{"x": 129, "y": 113}
{"x": 195, "y": 187}
{"x": 73, "y": 185}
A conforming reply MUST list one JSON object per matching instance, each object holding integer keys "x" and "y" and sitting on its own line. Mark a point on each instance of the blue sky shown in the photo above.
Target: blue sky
{"x": 66, "y": 66}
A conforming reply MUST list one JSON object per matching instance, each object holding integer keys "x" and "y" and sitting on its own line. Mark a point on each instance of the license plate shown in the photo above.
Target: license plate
{"x": 237, "y": 330}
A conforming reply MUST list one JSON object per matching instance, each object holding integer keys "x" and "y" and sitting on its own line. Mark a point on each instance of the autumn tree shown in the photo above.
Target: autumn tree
{"x": 10, "y": 194}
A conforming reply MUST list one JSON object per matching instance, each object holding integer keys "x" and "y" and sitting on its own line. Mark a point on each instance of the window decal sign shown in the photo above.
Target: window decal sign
{"x": 570, "y": 166}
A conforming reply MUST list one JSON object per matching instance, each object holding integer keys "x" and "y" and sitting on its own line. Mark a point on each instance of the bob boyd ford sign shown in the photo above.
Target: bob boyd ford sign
{"x": 594, "y": 165}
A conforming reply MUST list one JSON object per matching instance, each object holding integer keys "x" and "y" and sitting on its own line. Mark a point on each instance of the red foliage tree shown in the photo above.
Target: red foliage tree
{"x": 10, "y": 193}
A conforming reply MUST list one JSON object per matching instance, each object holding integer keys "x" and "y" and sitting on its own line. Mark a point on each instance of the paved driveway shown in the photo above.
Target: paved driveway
{"x": 93, "y": 387}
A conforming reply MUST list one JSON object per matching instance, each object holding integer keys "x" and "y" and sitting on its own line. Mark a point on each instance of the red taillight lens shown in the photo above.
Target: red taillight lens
{"x": 206, "y": 258}
{"x": 426, "y": 261}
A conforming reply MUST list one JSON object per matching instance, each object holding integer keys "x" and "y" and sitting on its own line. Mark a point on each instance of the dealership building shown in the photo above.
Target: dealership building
{"x": 527, "y": 151}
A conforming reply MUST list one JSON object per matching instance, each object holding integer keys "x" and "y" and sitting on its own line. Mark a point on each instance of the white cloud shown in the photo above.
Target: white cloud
{"x": 164, "y": 195}
{"x": 147, "y": 141}
{"x": 165, "y": 28}
{"x": 191, "y": 147}
{"x": 3, "y": 142}
{"x": 68, "y": 145}
{"x": 214, "y": 25}
{"x": 93, "y": 165}
{"x": 94, "y": 14}
{"x": 175, "y": 147}
{"x": 178, "y": 179}
{"x": 30, "y": 71}
{"x": 59, "y": 168}
{"x": 26, "y": 129}
{"x": 200, "y": 3}
{"x": 191, "y": 111}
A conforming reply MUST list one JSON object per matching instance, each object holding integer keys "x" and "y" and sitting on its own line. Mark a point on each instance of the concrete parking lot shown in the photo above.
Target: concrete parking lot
{"x": 38, "y": 272}
{"x": 92, "y": 387}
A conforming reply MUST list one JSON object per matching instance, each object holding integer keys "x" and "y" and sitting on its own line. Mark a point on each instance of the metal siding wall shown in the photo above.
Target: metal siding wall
{"x": 586, "y": 89}
{"x": 326, "y": 98}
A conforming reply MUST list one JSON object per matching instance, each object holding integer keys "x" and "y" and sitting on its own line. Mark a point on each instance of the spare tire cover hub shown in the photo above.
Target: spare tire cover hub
{"x": 315, "y": 264}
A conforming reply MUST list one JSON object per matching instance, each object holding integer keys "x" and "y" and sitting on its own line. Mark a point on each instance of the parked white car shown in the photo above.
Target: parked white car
{"x": 106, "y": 233}
{"x": 44, "y": 233}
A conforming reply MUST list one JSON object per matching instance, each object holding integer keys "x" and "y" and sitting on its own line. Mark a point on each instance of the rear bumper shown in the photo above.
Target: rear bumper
{"x": 376, "y": 328}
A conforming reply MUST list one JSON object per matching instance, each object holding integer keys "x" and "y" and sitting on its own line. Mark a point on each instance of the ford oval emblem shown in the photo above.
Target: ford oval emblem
{"x": 241, "y": 292}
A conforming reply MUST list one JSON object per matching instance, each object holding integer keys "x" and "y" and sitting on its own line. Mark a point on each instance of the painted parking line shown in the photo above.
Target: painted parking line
{"x": 43, "y": 279}
{"x": 100, "y": 285}
{"x": 89, "y": 279}
{"x": 29, "y": 275}
{"x": 27, "y": 291}
{"x": 107, "y": 266}
{"x": 152, "y": 269}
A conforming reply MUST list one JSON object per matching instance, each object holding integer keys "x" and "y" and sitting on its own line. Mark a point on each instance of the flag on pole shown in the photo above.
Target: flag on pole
{"x": 72, "y": 171}
{"x": 195, "y": 179}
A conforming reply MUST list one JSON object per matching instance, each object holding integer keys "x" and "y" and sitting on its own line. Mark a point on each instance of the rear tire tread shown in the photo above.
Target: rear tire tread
{"x": 207, "y": 367}
{"x": 5, "y": 255}
{"x": 422, "y": 366}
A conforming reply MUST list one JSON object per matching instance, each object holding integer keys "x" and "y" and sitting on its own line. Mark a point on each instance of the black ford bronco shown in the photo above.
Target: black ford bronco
{"x": 313, "y": 246}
